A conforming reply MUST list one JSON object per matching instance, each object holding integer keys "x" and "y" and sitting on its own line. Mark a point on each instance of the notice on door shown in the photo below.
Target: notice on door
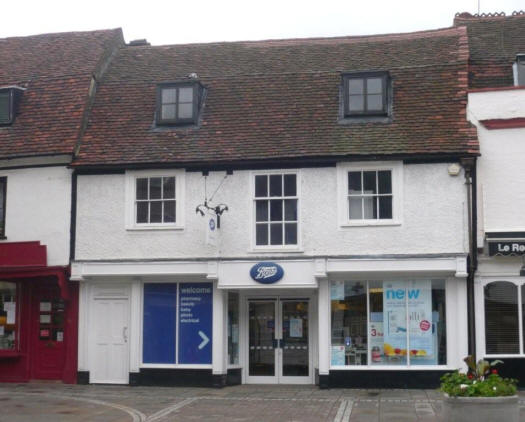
{"x": 195, "y": 322}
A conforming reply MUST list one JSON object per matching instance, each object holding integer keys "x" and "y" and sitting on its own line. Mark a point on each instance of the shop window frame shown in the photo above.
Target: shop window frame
{"x": 369, "y": 367}
{"x": 481, "y": 344}
{"x": 3, "y": 191}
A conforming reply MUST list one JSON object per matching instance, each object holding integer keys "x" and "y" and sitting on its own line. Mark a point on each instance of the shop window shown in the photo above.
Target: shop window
{"x": 388, "y": 323}
{"x": 502, "y": 316}
{"x": 8, "y": 319}
{"x": 365, "y": 94}
{"x": 233, "y": 328}
{"x": 276, "y": 210}
{"x": 177, "y": 324}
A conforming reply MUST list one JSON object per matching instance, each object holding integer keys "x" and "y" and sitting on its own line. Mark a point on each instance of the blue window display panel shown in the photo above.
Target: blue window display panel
{"x": 195, "y": 323}
{"x": 160, "y": 306}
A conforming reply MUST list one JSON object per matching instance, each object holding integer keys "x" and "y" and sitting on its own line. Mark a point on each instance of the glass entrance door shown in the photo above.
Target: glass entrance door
{"x": 279, "y": 341}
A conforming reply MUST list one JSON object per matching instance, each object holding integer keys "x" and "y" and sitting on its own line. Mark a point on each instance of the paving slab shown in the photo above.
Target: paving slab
{"x": 245, "y": 403}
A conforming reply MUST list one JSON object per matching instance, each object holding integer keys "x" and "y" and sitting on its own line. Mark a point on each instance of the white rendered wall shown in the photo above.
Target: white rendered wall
{"x": 433, "y": 218}
{"x": 38, "y": 207}
{"x": 501, "y": 173}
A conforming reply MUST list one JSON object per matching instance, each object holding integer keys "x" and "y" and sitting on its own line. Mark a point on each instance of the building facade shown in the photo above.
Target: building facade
{"x": 286, "y": 211}
{"x": 496, "y": 108}
{"x": 45, "y": 88}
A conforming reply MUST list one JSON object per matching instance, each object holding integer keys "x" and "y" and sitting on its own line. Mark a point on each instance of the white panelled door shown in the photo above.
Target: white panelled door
{"x": 109, "y": 341}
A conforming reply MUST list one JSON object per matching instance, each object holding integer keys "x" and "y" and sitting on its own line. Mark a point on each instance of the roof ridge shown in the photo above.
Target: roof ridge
{"x": 283, "y": 41}
{"x": 461, "y": 17}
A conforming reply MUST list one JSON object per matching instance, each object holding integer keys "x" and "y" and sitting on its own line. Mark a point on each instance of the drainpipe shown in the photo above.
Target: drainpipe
{"x": 469, "y": 165}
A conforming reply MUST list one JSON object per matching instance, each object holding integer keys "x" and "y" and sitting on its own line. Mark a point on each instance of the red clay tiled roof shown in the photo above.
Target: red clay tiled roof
{"x": 56, "y": 69}
{"x": 494, "y": 41}
{"x": 280, "y": 100}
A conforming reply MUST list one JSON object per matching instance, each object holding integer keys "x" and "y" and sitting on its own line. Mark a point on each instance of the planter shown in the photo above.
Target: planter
{"x": 480, "y": 409}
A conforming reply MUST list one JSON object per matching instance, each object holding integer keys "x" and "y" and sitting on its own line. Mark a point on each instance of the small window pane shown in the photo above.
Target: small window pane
{"x": 369, "y": 182}
{"x": 355, "y": 208}
{"x": 355, "y": 86}
{"x": 168, "y": 187}
{"x": 276, "y": 234}
{"x": 370, "y": 207}
{"x": 385, "y": 207}
{"x": 374, "y": 102}
{"x": 261, "y": 186}
{"x": 356, "y": 103}
{"x": 168, "y": 112}
{"x": 261, "y": 234}
{"x": 169, "y": 211}
{"x": 155, "y": 212}
{"x": 374, "y": 86}
{"x": 385, "y": 181}
{"x": 142, "y": 212}
{"x": 276, "y": 210}
{"x": 261, "y": 210}
{"x": 169, "y": 95}
{"x": 155, "y": 184}
{"x": 354, "y": 182}
{"x": 290, "y": 233}
{"x": 276, "y": 185}
{"x": 290, "y": 209}
{"x": 142, "y": 188}
{"x": 185, "y": 111}
{"x": 290, "y": 185}
{"x": 186, "y": 95}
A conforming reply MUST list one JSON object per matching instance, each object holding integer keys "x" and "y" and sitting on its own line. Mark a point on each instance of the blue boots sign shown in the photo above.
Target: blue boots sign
{"x": 267, "y": 272}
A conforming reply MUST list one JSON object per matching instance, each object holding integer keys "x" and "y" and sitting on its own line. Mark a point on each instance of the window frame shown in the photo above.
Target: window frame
{"x": 14, "y": 95}
{"x": 396, "y": 168}
{"x": 177, "y": 121}
{"x": 273, "y": 248}
{"x": 480, "y": 284}
{"x": 384, "y": 76}
{"x": 131, "y": 220}
{"x": 450, "y": 330}
{"x": 3, "y": 188}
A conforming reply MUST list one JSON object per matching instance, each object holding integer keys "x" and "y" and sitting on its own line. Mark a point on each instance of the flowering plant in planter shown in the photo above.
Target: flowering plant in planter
{"x": 481, "y": 380}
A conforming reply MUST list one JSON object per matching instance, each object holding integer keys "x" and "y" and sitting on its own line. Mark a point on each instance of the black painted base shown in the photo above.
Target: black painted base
{"x": 512, "y": 368}
{"x": 234, "y": 376}
{"x": 175, "y": 377}
{"x": 83, "y": 377}
{"x": 381, "y": 379}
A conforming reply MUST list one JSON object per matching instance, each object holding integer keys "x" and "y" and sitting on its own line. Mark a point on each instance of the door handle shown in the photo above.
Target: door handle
{"x": 125, "y": 334}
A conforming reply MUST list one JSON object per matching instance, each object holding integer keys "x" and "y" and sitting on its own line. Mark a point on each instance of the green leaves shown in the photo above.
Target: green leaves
{"x": 478, "y": 382}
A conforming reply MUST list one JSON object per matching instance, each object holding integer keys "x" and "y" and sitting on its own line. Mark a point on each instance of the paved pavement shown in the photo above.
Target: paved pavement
{"x": 257, "y": 403}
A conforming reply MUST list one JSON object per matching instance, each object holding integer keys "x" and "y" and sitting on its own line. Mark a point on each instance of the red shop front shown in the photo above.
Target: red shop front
{"x": 38, "y": 316}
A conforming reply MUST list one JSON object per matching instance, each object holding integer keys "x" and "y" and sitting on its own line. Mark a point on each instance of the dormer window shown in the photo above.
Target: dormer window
{"x": 9, "y": 99}
{"x": 178, "y": 103}
{"x": 520, "y": 70}
{"x": 365, "y": 94}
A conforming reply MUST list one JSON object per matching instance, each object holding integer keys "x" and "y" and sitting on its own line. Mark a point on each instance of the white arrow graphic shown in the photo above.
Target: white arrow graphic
{"x": 205, "y": 340}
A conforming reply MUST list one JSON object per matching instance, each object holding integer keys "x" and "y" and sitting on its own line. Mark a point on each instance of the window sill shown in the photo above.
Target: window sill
{"x": 276, "y": 250}
{"x": 367, "y": 223}
{"x": 154, "y": 228}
